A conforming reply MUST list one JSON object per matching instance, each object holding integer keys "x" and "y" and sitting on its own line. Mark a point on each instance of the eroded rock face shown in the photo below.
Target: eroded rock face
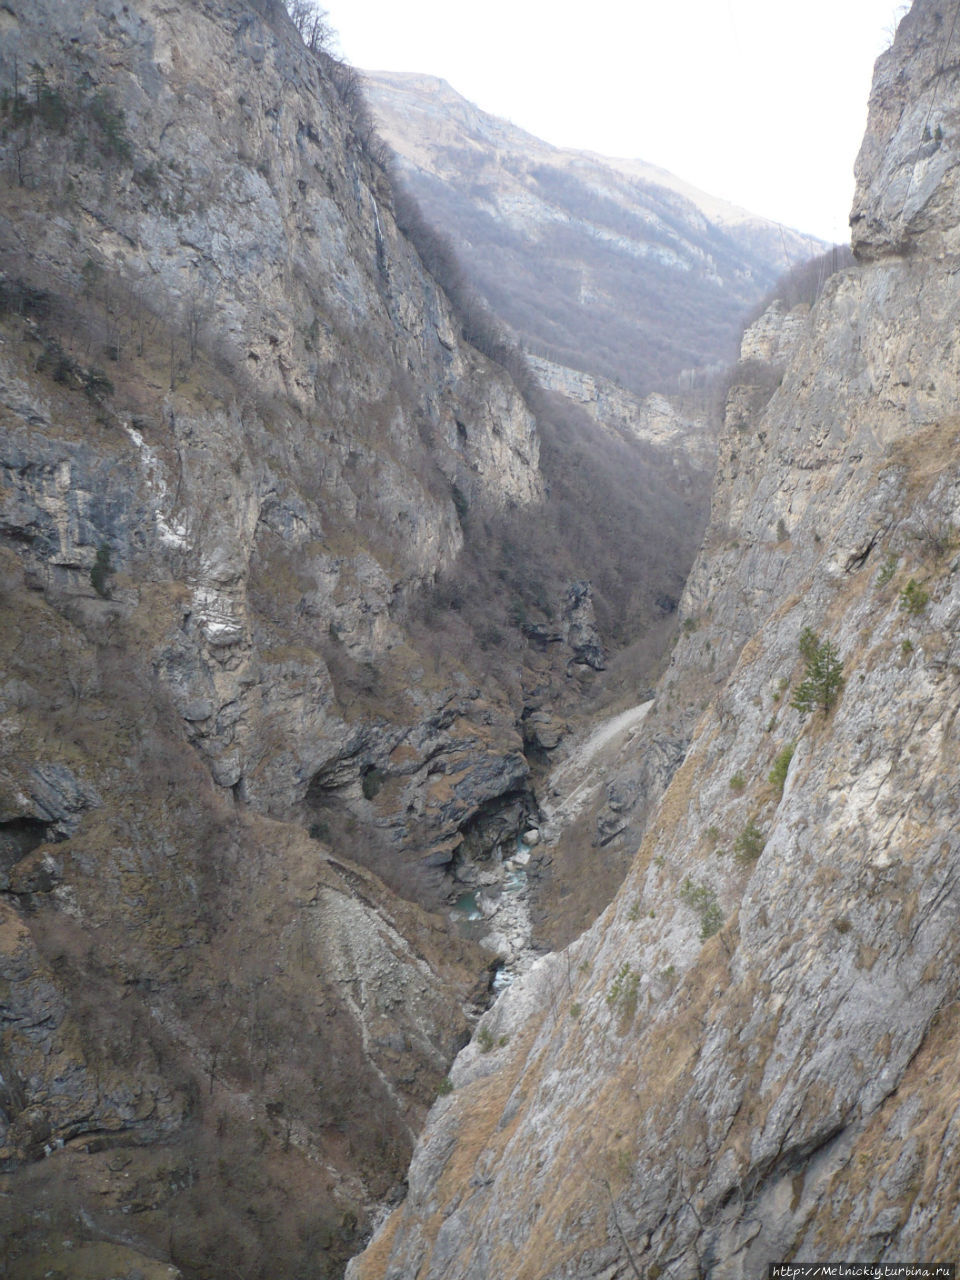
{"x": 772, "y": 337}
{"x": 579, "y": 628}
{"x": 239, "y": 431}
{"x": 747, "y": 1057}
{"x": 677, "y": 436}
{"x": 906, "y": 196}
{"x": 272, "y": 249}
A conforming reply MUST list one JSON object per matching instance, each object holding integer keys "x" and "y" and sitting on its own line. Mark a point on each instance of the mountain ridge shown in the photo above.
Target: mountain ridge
{"x": 566, "y": 245}
{"x": 717, "y": 207}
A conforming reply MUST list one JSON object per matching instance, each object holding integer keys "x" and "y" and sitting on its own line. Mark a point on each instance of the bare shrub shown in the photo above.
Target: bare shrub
{"x": 804, "y": 283}
{"x": 313, "y": 24}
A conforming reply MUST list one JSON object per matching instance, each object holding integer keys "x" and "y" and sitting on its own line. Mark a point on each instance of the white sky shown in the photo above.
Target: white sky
{"x": 762, "y": 102}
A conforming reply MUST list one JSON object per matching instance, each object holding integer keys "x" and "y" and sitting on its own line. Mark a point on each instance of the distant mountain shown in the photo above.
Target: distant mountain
{"x": 609, "y": 266}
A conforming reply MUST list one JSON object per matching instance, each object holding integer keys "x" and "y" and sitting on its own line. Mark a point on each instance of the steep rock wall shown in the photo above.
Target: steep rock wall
{"x": 747, "y": 1059}
{"x": 906, "y": 198}
{"x": 226, "y": 213}
{"x": 239, "y": 430}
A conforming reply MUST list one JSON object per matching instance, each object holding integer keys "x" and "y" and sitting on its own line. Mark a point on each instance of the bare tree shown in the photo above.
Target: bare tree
{"x": 313, "y": 24}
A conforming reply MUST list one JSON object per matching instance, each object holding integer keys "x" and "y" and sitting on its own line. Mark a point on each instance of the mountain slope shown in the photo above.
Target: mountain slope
{"x": 288, "y": 614}
{"x": 240, "y": 433}
{"x": 751, "y": 1057}
{"x": 609, "y": 266}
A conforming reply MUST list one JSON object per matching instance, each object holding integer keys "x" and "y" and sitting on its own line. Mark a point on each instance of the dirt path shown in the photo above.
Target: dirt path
{"x": 584, "y": 770}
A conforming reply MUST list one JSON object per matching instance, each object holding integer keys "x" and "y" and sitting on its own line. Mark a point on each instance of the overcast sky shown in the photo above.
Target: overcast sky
{"x": 758, "y": 101}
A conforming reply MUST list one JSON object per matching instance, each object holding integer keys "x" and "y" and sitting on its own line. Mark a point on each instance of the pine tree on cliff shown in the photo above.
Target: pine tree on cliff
{"x": 823, "y": 678}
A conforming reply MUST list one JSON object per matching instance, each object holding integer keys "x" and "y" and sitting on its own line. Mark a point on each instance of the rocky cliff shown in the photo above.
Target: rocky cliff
{"x": 751, "y": 1056}
{"x": 612, "y": 266}
{"x": 241, "y": 437}
{"x": 906, "y": 198}
{"x": 684, "y": 439}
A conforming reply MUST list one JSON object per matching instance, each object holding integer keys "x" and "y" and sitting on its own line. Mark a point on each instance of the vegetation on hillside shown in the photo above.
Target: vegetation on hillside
{"x": 615, "y": 514}
{"x": 590, "y": 265}
{"x": 804, "y": 282}
{"x": 823, "y": 678}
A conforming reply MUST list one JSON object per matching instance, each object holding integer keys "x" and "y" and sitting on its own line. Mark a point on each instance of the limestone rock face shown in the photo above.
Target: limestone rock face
{"x": 655, "y": 420}
{"x": 751, "y": 1055}
{"x": 906, "y": 196}
{"x": 579, "y": 627}
{"x": 240, "y": 431}
{"x": 49, "y": 1096}
{"x": 772, "y": 337}
{"x": 273, "y": 250}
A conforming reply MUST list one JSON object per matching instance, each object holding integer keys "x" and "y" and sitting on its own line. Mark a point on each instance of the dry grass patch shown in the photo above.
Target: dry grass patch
{"x": 597, "y": 1155}
{"x": 480, "y": 1106}
{"x": 930, "y": 1196}
{"x": 925, "y": 455}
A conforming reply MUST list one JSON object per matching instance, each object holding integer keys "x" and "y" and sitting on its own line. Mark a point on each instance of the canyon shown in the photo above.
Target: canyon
{"x": 748, "y": 1058}
{"x": 416, "y": 858}
{"x": 287, "y": 631}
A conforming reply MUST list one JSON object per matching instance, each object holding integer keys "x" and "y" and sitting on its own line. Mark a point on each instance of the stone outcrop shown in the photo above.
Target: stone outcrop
{"x": 353, "y": 380}
{"x": 579, "y": 628}
{"x": 772, "y": 337}
{"x": 750, "y": 1057}
{"x": 906, "y": 198}
{"x": 656, "y": 420}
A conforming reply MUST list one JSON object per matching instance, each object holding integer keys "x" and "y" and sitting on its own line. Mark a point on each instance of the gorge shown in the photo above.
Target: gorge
{"x": 317, "y": 597}
{"x": 749, "y": 1057}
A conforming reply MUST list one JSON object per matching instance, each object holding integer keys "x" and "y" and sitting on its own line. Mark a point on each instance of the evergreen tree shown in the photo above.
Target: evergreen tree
{"x": 823, "y": 679}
